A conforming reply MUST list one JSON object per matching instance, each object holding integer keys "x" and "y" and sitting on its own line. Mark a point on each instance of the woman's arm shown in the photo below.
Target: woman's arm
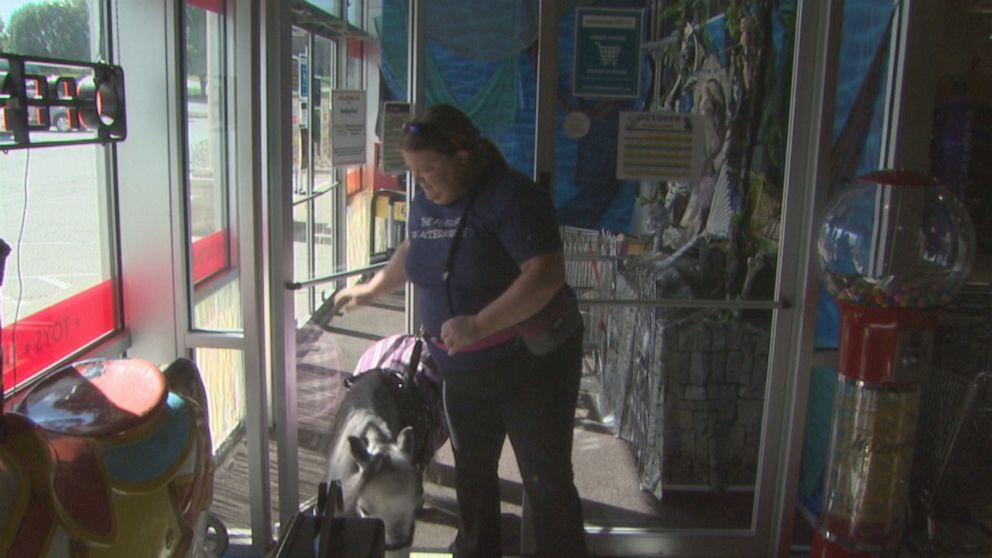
{"x": 386, "y": 280}
{"x": 540, "y": 278}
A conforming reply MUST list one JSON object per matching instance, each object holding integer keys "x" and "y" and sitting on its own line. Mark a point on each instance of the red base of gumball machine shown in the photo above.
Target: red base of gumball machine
{"x": 828, "y": 545}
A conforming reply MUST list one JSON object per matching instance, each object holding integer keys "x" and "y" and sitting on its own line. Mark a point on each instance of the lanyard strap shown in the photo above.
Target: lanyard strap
{"x": 455, "y": 245}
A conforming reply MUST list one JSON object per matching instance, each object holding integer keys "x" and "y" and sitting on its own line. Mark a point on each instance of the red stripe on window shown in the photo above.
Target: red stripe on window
{"x": 52, "y": 334}
{"x": 353, "y": 181}
{"x": 354, "y": 48}
{"x": 210, "y": 255}
{"x": 383, "y": 181}
{"x": 212, "y": 5}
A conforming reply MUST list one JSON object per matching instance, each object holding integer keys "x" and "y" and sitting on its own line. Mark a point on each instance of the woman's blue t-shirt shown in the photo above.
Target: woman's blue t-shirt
{"x": 510, "y": 221}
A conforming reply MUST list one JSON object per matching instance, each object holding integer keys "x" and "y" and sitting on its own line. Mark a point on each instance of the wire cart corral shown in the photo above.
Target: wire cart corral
{"x": 951, "y": 488}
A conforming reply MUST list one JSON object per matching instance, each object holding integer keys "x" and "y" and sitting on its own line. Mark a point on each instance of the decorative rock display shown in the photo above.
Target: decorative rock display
{"x": 686, "y": 389}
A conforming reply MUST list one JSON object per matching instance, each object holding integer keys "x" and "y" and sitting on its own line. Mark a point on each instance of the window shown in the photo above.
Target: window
{"x": 332, "y": 7}
{"x": 355, "y": 13}
{"x": 211, "y": 231}
{"x": 210, "y": 214}
{"x": 58, "y": 289}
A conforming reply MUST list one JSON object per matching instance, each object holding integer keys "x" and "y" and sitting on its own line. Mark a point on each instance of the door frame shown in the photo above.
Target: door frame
{"x": 814, "y": 79}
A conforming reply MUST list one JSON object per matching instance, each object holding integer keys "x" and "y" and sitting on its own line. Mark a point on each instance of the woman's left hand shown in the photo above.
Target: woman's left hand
{"x": 460, "y": 332}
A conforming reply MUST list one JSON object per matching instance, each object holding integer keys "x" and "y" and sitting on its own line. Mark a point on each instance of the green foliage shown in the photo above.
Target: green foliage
{"x": 774, "y": 129}
{"x": 196, "y": 42}
{"x": 658, "y": 193}
{"x": 727, "y": 318}
{"x": 56, "y": 29}
{"x": 697, "y": 12}
{"x": 733, "y": 13}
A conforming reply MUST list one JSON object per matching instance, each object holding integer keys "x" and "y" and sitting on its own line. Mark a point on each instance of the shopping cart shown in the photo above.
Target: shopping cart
{"x": 951, "y": 488}
{"x": 609, "y": 55}
{"x": 591, "y": 262}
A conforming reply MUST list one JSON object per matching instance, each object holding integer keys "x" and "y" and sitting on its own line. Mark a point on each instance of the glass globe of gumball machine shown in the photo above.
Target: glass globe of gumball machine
{"x": 893, "y": 249}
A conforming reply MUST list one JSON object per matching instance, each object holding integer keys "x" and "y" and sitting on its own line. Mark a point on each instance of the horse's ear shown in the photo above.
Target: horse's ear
{"x": 359, "y": 451}
{"x": 405, "y": 440}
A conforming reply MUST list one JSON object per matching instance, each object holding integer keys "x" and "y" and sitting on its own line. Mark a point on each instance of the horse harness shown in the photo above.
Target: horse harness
{"x": 414, "y": 407}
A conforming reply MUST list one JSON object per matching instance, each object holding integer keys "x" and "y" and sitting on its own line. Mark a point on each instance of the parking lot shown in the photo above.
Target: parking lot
{"x": 49, "y": 215}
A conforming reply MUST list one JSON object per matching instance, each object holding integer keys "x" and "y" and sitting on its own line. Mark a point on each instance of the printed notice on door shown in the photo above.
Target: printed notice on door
{"x": 659, "y": 146}
{"x": 394, "y": 117}
{"x": 348, "y": 129}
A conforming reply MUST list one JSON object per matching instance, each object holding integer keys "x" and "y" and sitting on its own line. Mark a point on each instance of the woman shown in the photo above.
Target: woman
{"x": 485, "y": 253}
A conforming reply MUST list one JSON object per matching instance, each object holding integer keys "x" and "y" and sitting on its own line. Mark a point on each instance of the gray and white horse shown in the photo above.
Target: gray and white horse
{"x": 384, "y": 436}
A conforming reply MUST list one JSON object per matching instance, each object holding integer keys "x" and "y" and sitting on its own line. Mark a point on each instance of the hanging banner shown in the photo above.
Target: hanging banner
{"x": 348, "y": 127}
{"x": 607, "y": 53}
{"x": 660, "y": 146}
{"x": 303, "y": 75}
{"x": 394, "y": 117}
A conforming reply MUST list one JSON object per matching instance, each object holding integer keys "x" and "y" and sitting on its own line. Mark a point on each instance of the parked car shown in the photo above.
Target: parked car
{"x": 58, "y": 119}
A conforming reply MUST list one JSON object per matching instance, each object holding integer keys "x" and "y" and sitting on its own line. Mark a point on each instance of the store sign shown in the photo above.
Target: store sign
{"x": 348, "y": 128}
{"x": 659, "y": 146}
{"x": 43, "y": 99}
{"x": 608, "y": 53}
{"x": 394, "y": 116}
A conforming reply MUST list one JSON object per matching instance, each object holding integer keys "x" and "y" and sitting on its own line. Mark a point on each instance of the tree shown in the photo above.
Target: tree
{"x": 56, "y": 29}
{"x": 3, "y": 36}
{"x": 196, "y": 45}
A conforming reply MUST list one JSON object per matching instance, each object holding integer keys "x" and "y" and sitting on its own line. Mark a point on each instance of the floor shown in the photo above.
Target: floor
{"x": 606, "y": 474}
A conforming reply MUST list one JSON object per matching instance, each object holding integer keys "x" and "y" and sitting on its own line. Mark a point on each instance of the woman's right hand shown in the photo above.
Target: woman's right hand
{"x": 386, "y": 280}
{"x": 350, "y": 297}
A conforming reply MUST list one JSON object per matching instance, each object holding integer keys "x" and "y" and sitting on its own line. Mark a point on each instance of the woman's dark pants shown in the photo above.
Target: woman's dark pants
{"x": 535, "y": 408}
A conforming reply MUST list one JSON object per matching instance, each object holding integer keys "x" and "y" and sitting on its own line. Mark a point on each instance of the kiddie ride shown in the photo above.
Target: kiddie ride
{"x": 893, "y": 249}
{"x": 109, "y": 458}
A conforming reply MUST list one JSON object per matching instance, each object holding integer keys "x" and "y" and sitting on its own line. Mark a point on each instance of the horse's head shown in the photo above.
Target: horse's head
{"x": 390, "y": 485}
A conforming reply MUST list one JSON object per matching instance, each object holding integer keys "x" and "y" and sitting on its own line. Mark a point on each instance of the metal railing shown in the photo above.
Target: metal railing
{"x": 296, "y": 285}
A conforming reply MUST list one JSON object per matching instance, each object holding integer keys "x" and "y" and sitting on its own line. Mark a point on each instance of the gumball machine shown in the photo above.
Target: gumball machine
{"x": 893, "y": 249}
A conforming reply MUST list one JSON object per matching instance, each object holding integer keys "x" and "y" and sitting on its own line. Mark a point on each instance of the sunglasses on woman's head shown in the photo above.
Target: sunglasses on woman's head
{"x": 419, "y": 129}
{"x": 431, "y": 134}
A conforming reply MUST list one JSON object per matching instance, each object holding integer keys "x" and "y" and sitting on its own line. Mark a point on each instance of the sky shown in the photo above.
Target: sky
{"x": 8, "y": 6}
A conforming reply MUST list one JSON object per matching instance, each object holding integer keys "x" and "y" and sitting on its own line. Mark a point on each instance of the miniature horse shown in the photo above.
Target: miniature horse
{"x": 385, "y": 434}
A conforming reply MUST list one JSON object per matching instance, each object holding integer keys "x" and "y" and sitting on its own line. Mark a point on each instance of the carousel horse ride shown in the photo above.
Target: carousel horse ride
{"x": 109, "y": 458}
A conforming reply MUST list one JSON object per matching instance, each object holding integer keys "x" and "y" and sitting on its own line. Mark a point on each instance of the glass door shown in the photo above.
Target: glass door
{"x": 677, "y": 260}
{"x": 340, "y": 229}
{"x": 669, "y": 180}
{"x": 313, "y": 199}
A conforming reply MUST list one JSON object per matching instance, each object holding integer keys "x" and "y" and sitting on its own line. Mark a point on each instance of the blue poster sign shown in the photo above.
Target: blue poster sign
{"x": 304, "y": 75}
{"x": 608, "y": 53}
